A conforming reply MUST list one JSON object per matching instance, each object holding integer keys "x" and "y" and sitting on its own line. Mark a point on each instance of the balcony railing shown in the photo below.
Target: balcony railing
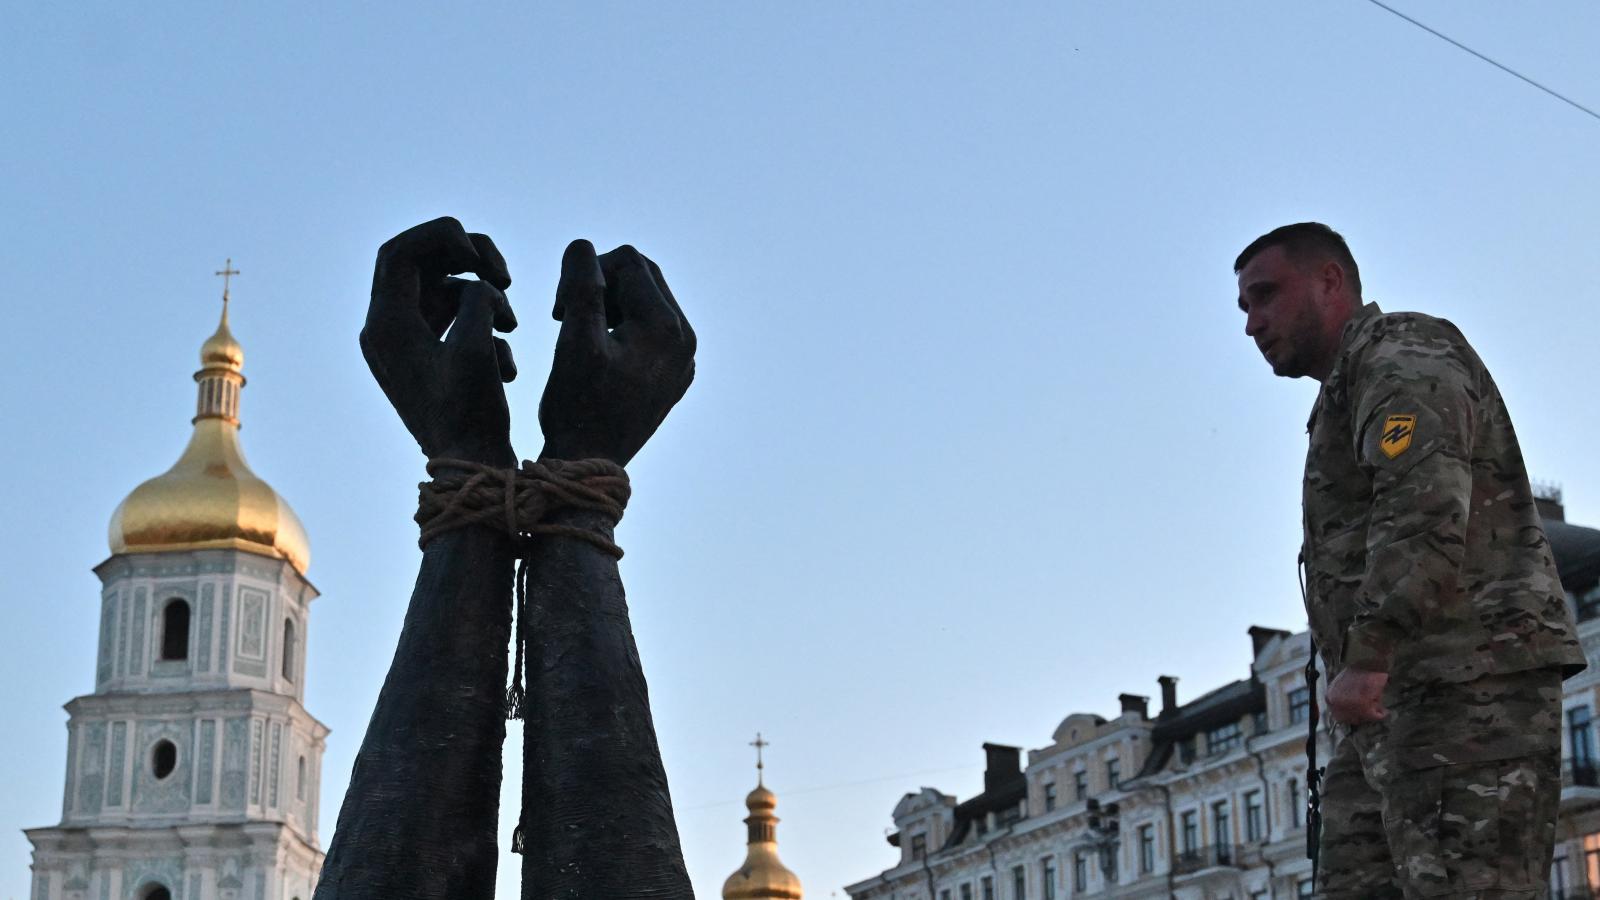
{"x": 1580, "y": 773}
{"x": 1207, "y": 857}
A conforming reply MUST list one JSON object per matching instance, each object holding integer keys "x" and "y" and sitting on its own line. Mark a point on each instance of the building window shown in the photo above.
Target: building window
{"x": 288, "y": 649}
{"x": 1581, "y": 731}
{"x": 944, "y": 894}
{"x": 1080, "y": 872}
{"x": 1186, "y": 750}
{"x": 1223, "y": 738}
{"x": 919, "y": 846}
{"x": 1047, "y": 874}
{"x": 1222, "y": 831}
{"x": 1147, "y": 849}
{"x": 1190, "y": 828}
{"x": 1295, "y": 803}
{"x": 966, "y": 892}
{"x": 300, "y": 779}
{"x": 1080, "y": 784}
{"x": 1019, "y": 883}
{"x": 1589, "y": 604}
{"x": 175, "y": 630}
{"x": 1113, "y": 773}
{"x": 163, "y": 759}
{"x": 986, "y": 888}
{"x": 1049, "y": 796}
{"x": 1299, "y": 705}
{"x": 1304, "y": 889}
{"x": 156, "y": 892}
{"x": 1255, "y": 826}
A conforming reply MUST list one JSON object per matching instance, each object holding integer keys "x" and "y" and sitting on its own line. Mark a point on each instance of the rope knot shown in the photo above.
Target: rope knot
{"x": 518, "y": 501}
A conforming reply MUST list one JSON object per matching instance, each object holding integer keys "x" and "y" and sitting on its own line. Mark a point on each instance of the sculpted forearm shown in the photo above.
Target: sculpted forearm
{"x": 435, "y": 738}
{"x": 420, "y": 817}
{"x": 597, "y": 817}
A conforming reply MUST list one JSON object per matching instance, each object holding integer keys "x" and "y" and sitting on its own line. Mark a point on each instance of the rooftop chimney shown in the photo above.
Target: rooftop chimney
{"x": 1547, "y": 498}
{"x": 1134, "y": 703}
{"x": 1260, "y": 635}
{"x": 1169, "y": 694}
{"x": 1002, "y": 764}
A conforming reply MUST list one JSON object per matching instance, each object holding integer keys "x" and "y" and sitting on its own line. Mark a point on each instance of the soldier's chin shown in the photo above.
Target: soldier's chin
{"x": 1287, "y": 367}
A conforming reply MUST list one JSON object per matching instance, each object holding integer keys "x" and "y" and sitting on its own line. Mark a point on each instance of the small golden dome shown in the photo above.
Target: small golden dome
{"x": 761, "y": 799}
{"x": 222, "y": 349}
{"x": 210, "y": 498}
{"x": 763, "y": 876}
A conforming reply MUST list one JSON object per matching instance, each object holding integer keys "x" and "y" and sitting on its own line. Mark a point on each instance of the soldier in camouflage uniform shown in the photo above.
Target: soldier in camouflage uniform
{"x": 1432, "y": 593}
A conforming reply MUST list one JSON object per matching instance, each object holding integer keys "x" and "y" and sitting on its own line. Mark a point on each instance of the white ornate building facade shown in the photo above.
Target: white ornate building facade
{"x": 193, "y": 768}
{"x": 1205, "y": 800}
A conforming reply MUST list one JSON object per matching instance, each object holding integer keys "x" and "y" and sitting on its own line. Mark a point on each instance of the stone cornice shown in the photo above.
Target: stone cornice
{"x": 92, "y": 707}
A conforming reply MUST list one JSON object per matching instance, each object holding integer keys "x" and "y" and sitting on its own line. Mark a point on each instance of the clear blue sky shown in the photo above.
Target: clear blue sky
{"x": 976, "y": 441}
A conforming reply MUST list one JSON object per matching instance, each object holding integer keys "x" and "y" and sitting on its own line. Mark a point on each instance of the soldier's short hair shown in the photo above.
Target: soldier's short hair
{"x": 1306, "y": 242}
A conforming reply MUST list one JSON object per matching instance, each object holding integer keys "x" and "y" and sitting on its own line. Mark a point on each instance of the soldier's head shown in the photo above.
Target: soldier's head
{"x": 1298, "y": 286}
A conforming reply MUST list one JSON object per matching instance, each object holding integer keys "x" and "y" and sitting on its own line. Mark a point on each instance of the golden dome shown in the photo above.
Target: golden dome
{"x": 210, "y": 498}
{"x": 763, "y": 876}
{"x": 222, "y": 349}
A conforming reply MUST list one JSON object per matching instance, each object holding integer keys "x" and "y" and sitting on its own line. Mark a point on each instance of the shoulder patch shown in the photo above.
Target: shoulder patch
{"x": 1397, "y": 434}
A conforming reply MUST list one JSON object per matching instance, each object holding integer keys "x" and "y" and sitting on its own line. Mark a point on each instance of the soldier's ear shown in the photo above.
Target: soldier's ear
{"x": 1331, "y": 277}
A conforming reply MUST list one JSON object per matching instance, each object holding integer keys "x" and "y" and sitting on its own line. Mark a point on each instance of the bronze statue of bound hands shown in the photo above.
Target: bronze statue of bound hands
{"x": 420, "y": 818}
{"x": 624, "y": 357}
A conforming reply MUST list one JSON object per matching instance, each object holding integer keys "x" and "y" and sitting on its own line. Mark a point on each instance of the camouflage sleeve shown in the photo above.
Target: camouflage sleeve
{"x": 1412, "y": 400}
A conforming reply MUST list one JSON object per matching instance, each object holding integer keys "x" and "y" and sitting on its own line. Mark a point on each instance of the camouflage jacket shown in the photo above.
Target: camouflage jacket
{"x": 1424, "y": 553}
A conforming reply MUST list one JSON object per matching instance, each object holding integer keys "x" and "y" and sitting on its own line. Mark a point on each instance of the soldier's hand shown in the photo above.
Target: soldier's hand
{"x": 448, "y": 392}
{"x": 623, "y": 359}
{"x": 1355, "y": 697}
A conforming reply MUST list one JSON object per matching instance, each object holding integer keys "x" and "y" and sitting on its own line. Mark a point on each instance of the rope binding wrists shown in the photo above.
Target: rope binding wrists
{"x": 518, "y": 501}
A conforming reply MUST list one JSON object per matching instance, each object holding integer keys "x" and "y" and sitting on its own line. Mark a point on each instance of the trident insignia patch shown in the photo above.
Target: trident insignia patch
{"x": 1397, "y": 433}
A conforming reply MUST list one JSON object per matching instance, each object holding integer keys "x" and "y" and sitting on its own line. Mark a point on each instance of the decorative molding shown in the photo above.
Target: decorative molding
{"x": 202, "y": 635}
{"x": 139, "y": 873}
{"x": 255, "y": 761}
{"x": 93, "y": 768}
{"x": 136, "y": 628}
{"x": 252, "y": 624}
{"x": 277, "y": 740}
{"x": 108, "y": 638}
{"x": 226, "y": 637}
{"x": 114, "y": 769}
{"x": 162, "y": 795}
{"x": 205, "y": 761}
{"x": 123, "y": 602}
{"x": 234, "y": 753}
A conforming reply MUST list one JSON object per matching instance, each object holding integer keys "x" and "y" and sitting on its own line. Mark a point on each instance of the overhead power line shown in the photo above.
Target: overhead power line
{"x": 1501, "y": 66}
{"x": 841, "y": 784}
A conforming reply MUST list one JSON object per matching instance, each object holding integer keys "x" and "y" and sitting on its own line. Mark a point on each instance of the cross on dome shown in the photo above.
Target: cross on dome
{"x": 226, "y": 272}
{"x": 758, "y": 743}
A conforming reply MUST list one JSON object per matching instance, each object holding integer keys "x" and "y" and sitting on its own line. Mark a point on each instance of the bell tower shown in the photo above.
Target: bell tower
{"x": 193, "y": 768}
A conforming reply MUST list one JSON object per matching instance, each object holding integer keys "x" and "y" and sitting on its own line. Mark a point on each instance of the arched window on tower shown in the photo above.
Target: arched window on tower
{"x": 175, "y": 630}
{"x": 288, "y": 649}
{"x": 156, "y": 892}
